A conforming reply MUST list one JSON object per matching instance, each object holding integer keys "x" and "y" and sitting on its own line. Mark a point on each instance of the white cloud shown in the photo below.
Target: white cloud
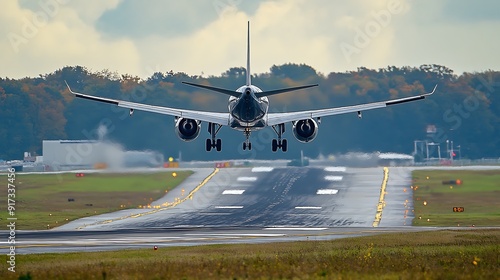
{"x": 39, "y": 41}
{"x": 311, "y": 32}
{"x": 89, "y": 11}
{"x": 281, "y": 31}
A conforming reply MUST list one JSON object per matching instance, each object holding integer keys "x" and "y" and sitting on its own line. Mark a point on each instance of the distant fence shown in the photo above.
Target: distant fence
{"x": 461, "y": 162}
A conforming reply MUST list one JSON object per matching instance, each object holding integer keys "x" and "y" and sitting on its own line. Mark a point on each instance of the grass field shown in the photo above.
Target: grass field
{"x": 41, "y": 201}
{"x": 458, "y": 254}
{"x": 479, "y": 194}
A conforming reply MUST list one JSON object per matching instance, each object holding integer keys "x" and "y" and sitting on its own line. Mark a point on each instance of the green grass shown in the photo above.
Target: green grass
{"x": 458, "y": 254}
{"x": 42, "y": 200}
{"x": 479, "y": 195}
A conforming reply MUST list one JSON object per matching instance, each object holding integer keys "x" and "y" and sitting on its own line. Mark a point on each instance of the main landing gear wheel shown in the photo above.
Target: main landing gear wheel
{"x": 279, "y": 143}
{"x": 208, "y": 145}
{"x": 213, "y": 142}
{"x": 218, "y": 145}
{"x": 283, "y": 145}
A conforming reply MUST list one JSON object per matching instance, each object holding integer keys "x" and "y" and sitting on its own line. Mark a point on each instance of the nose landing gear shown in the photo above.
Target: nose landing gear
{"x": 247, "y": 144}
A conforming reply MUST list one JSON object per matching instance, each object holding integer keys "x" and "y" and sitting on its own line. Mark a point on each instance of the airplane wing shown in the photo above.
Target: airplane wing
{"x": 278, "y": 118}
{"x": 212, "y": 117}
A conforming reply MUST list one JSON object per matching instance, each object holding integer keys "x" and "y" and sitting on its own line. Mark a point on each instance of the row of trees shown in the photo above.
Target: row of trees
{"x": 465, "y": 109}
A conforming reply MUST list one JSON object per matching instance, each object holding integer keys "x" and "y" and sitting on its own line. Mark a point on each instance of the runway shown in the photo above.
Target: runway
{"x": 88, "y": 241}
{"x": 246, "y": 205}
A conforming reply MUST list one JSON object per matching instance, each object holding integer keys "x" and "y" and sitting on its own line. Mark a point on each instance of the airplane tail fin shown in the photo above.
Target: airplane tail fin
{"x": 249, "y": 75}
{"x": 249, "y": 82}
{"x": 227, "y": 91}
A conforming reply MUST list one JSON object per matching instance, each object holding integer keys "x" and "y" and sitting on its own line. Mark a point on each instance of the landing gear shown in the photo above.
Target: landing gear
{"x": 210, "y": 144}
{"x": 279, "y": 143}
{"x": 247, "y": 144}
{"x": 213, "y": 142}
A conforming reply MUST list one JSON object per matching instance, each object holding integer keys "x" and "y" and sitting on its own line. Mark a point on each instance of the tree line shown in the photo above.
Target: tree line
{"x": 465, "y": 109}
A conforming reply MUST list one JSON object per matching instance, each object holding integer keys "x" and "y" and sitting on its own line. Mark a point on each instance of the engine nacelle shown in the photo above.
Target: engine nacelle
{"x": 187, "y": 129}
{"x": 305, "y": 130}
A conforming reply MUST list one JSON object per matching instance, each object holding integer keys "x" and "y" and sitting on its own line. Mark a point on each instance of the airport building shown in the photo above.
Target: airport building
{"x": 89, "y": 154}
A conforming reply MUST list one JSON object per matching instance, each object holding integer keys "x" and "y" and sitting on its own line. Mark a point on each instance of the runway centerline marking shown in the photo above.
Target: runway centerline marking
{"x": 309, "y": 207}
{"x": 228, "y": 207}
{"x": 233, "y": 192}
{"x": 247, "y": 179}
{"x": 333, "y": 178}
{"x": 327, "y": 191}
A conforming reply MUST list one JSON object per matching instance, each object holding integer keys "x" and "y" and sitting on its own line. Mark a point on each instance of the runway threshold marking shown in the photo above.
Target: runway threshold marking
{"x": 166, "y": 205}
{"x": 309, "y": 207}
{"x": 262, "y": 169}
{"x": 381, "y": 201}
{"x": 247, "y": 179}
{"x": 233, "y": 192}
{"x": 327, "y": 191}
{"x": 237, "y": 234}
{"x": 333, "y": 178}
{"x": 335, "y": 169}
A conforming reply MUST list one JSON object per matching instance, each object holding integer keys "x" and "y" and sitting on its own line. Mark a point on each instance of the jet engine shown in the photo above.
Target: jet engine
{"x": 187, "y": 129}
{"x": 305, "y": 130}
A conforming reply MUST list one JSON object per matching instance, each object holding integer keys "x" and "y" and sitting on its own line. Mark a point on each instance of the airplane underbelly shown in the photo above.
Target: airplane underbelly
{"x": 239, "y": 125}
{"x": 248, "y": 112}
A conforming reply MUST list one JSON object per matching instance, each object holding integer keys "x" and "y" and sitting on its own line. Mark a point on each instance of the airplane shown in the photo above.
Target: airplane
{"x": 248, "y": 110}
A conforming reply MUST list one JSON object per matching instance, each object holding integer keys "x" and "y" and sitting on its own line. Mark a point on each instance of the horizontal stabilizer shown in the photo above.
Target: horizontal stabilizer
{"x": 221, "y": 90}
{"x": 278, "y": 91}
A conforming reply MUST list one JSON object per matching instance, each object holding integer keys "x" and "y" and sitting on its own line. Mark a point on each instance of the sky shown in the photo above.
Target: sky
{"x": 207, "y": 37}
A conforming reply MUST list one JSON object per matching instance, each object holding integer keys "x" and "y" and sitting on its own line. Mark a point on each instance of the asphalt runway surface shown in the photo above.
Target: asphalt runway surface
{"x": 246, "y": 205}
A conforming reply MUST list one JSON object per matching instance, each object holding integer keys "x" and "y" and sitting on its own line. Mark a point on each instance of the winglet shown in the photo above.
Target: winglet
{"x": 249, "y": 82}
{"x": 68, "y": 87}
{"x": 94, "y": 98}
{"x": 432, "y": 92}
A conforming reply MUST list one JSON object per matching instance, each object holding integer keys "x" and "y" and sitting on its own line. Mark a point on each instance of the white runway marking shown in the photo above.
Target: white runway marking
{"x": 335, "y": 169}
{"x": 262, "y": 169}
{"x": 237, "y": 234}
{"x": 292, "y": 228}
{"x": 228, "y": 207}
{"x": 247, "y": 179}
{"x": 309, "y": 207}
{"x": 233, "y": 192}
{"x": 327, "y": 191}
{"x": 333, "y": 178}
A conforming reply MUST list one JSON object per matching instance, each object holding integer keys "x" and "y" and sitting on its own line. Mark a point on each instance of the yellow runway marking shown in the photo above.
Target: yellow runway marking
{"x": 164, "y": 206}
{"x": 381, "y": 202}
